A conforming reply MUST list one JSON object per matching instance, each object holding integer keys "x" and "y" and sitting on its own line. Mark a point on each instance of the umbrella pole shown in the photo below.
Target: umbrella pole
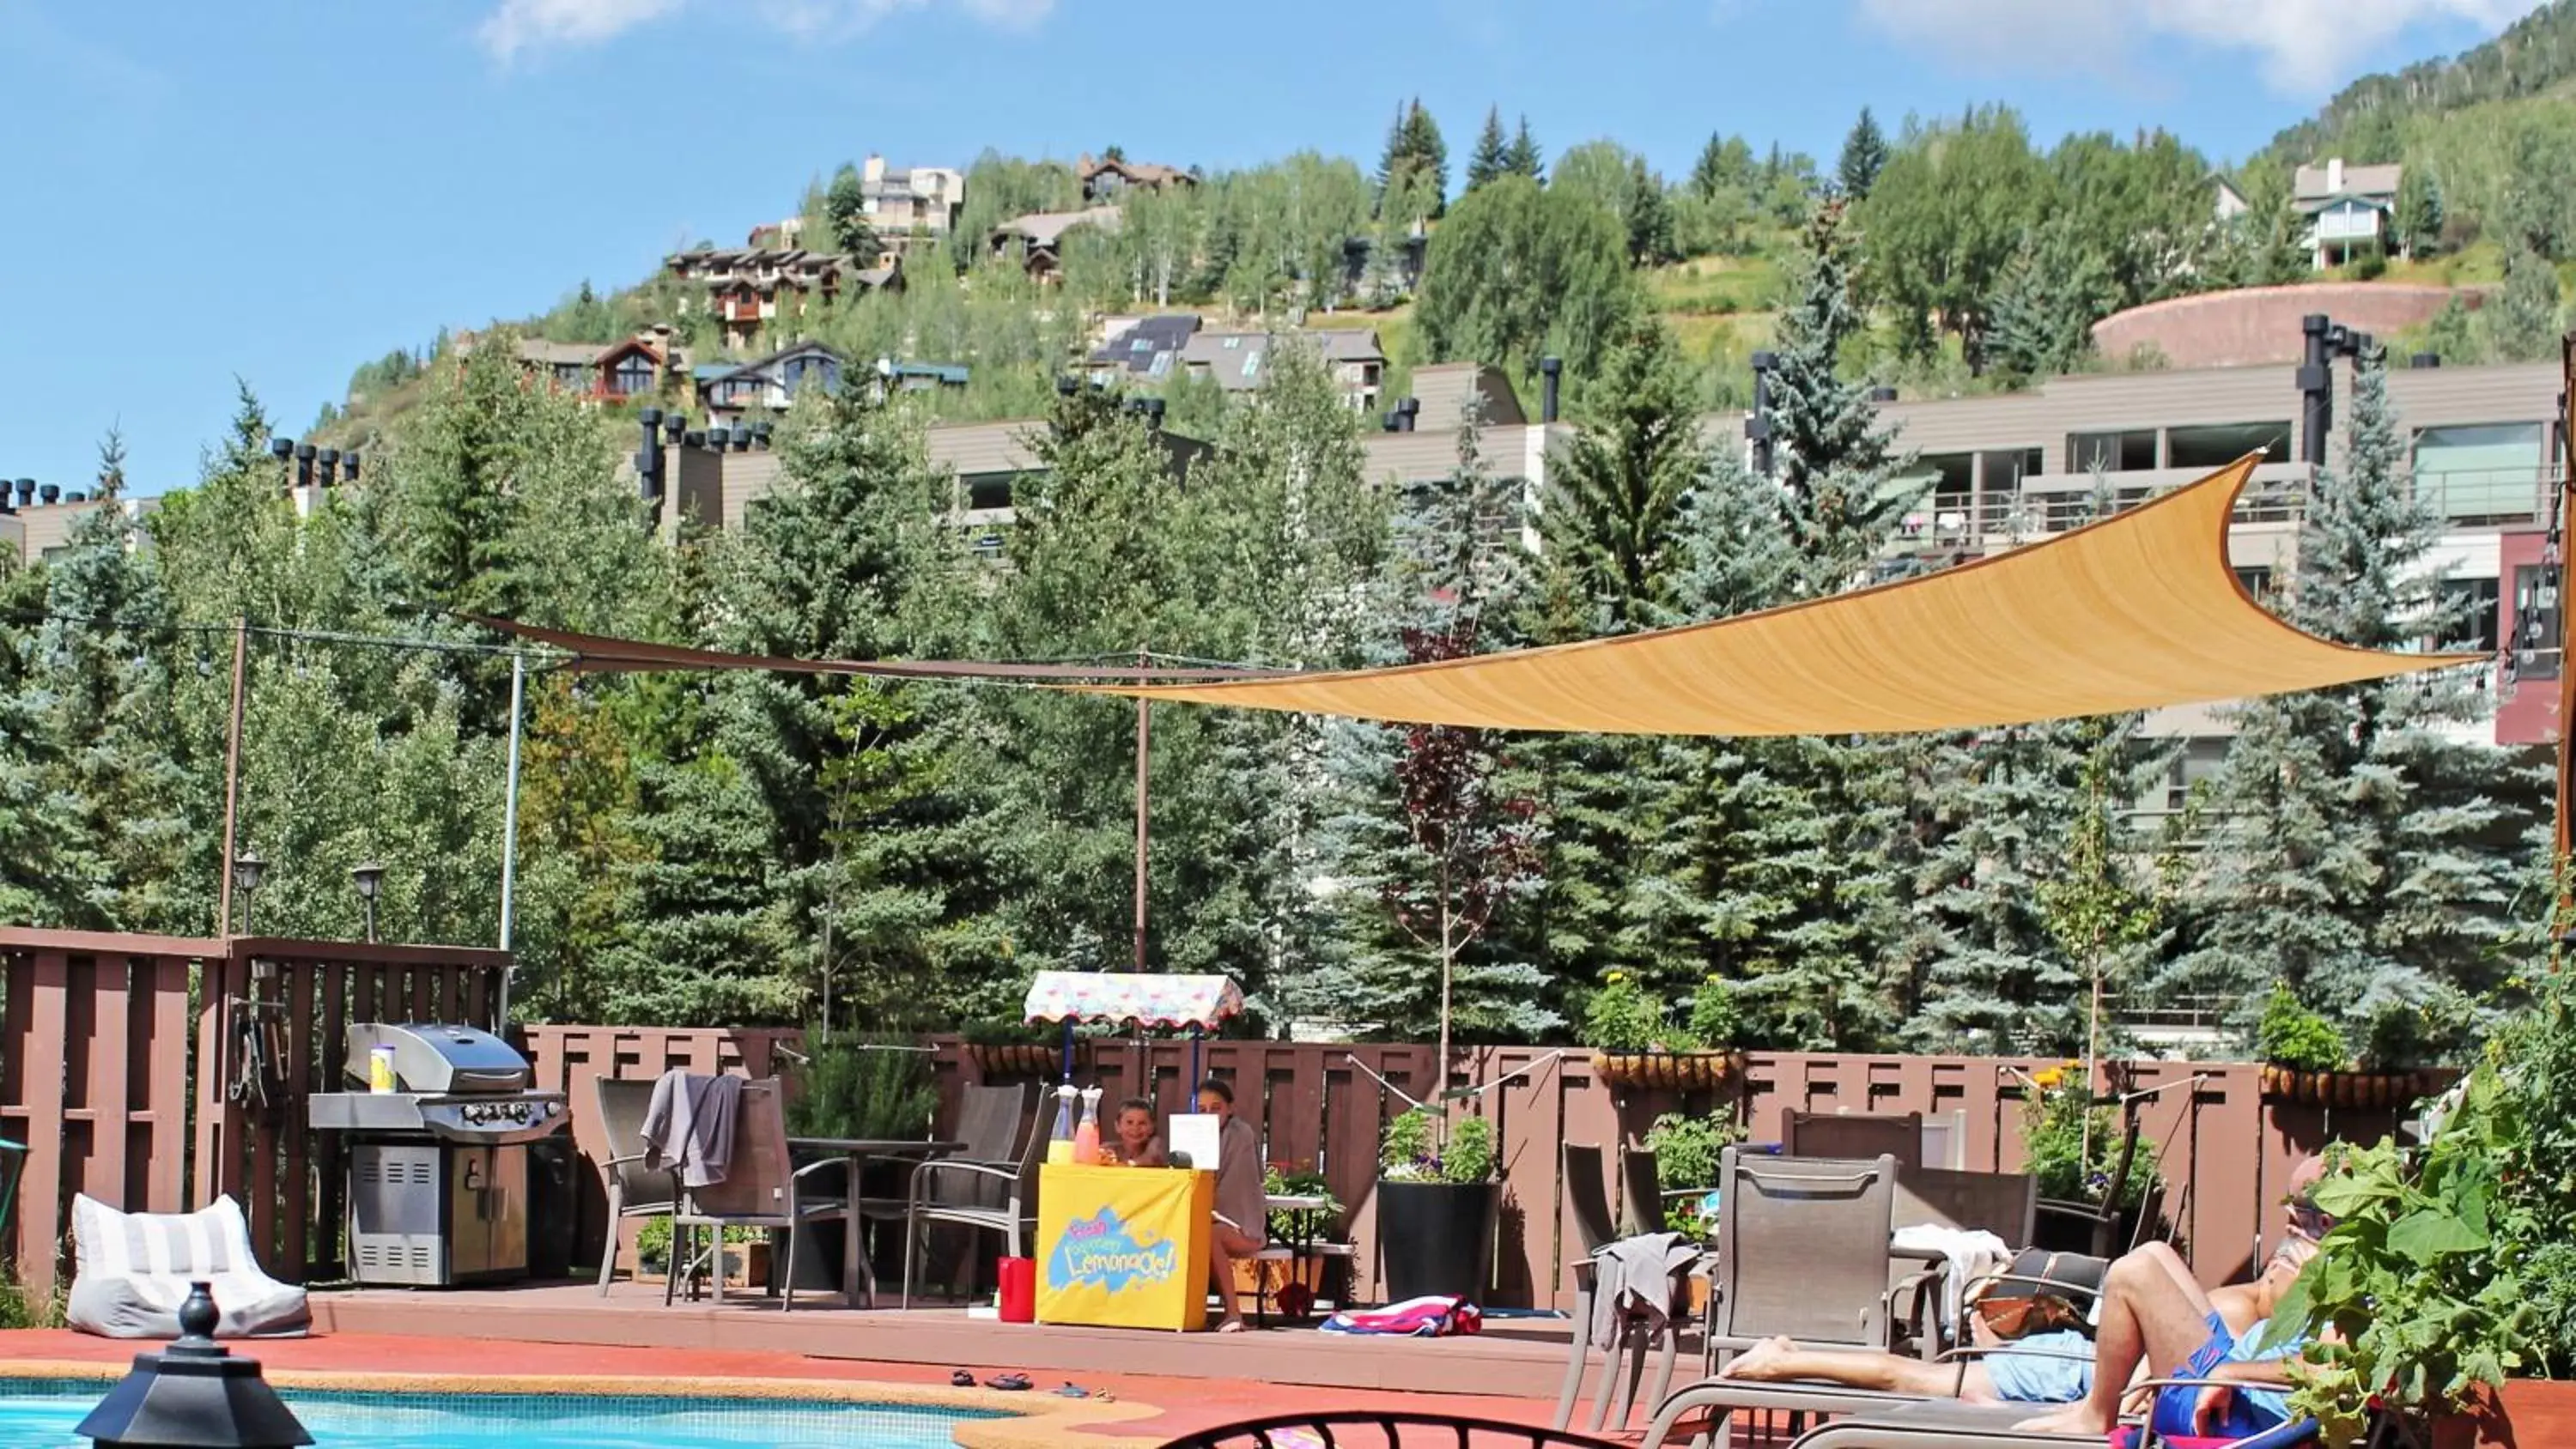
{"x": 1068, "y": 1051}
{"x": 1194, "y": 1057}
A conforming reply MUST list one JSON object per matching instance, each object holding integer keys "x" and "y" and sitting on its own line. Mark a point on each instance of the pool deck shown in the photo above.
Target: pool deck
{"x": 563, "y": 1337}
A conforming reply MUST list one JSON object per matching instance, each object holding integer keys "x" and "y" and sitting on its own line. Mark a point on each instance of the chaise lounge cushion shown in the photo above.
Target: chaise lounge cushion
{"x": 133, "y": 1272}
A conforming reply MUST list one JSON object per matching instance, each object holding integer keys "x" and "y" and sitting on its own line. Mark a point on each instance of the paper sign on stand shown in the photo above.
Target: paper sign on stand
{"x": 1197, "y": 1134}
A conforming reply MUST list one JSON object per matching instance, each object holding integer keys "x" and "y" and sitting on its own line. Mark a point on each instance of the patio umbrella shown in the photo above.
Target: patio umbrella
{"x": 1133, "y": 998}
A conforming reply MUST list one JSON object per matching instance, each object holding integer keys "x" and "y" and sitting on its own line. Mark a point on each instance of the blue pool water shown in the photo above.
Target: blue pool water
{"x": 40, "y": 1415}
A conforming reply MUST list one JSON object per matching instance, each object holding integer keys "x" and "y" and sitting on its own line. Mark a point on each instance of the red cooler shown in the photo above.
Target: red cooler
{"x": 1019, "y": 1280}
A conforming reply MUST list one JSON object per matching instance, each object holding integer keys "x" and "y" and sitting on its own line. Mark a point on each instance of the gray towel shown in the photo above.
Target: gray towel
{"x": 1634, "y": 1277}
{"x": 690, "y": 1122}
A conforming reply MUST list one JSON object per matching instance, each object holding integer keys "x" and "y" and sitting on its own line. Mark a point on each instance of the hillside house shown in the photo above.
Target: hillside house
{"x": 640, "y": 366}
{"x": 1112, "y": 177}
{"x": 1235, "y": 360}
{"x": 750, "y": 287}
{"x": 2351, "y": 210}
{"x": 774, "y": 382}
{"x": 1146, "y": 347}
{"x": 1038, "y": 238}
{"x": 911, "y": 199}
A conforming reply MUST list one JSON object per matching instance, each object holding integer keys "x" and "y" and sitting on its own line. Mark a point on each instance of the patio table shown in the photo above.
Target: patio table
{"x": 860, "y": 1151}
{"x": 1305, "y": 1214}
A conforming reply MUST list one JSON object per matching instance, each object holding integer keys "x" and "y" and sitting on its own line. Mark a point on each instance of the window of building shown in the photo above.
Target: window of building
{"x": 2198, "y": 761}
{"x": 2535, "y": 618}
{"x": 633, "y": 376}
{"x": 2123, "y": 452}
{"x": 572, "y": 375}
{"x": 989, "y": 490}
{"x": 2215, "y": 445}
{"x": 1251, "y": 366}
{"x": 2482, "y": 472}
{"x": 2470, "y": 615}
{"x": 1232, "y": 343}
{"x": 2257, "y": 579}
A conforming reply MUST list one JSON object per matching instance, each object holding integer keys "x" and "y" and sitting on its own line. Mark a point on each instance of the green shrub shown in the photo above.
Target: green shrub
{"x": 1278, "y": 1182}
{"x": 2071, "y": 1143}
{"x": 1621, "y": 1017}
{"x": 1470, "y": 1154}
{"x": 1714, "y": 1020}
{"x": 1687, "y": 1148}
{"x": 2292, "y": 1036}
{"x": 1407, "y": 1153}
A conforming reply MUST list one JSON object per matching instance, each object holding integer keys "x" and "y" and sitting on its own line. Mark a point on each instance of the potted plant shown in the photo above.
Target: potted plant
{"x": 860, "y": 1085}
{"x": 1011, "y": 1048}
{"x": 1688, "y": 1149}
{"x": 1635, "y": 1045}
{"x": 1437, "y": 1206}
{"x": 2305, "y": 1059}
{"x": 2449, "y": 1278}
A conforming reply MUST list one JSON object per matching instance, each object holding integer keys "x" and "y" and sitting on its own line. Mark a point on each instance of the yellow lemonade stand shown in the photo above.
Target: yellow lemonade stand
{"x": 1126, "y": 1247}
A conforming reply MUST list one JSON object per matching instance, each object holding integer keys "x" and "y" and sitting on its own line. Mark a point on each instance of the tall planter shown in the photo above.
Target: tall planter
{"x": 1437, "y": 1237}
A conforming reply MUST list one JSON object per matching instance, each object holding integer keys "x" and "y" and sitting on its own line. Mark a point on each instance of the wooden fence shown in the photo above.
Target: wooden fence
{"x": 2223, "y": 1150}
{"x": 119, "y": 1057}
{"x": 120, "y": 1094}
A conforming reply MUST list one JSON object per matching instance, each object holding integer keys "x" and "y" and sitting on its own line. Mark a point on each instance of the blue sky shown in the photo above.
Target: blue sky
{"x": 282, "y": 189}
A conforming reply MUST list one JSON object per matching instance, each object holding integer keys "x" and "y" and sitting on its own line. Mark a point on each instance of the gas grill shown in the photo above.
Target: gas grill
{"x": 438, "y": 1167}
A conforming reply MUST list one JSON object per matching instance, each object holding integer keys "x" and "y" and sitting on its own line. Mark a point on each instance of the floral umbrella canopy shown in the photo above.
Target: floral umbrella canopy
{"x": 1137, "y": 998}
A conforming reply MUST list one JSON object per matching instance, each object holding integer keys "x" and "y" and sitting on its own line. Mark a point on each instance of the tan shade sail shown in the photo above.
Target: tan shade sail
{"x": 2138, "y": 611}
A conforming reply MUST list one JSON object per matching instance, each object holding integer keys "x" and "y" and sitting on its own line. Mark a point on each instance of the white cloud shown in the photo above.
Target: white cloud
{"x": 2306, "y": 46}
{"x": 519, "y": 26}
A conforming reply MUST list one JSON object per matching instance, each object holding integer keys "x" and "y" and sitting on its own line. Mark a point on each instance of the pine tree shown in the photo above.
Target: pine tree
{"x": 1650, "y": 217}
{"x": 111, "y": 465}
{"x": 1434, "y": 847}
{"x": 1835, "y": 460}
{"x": 2522, "y": 323}
{"x": 1525, "y": 159}
{"x": 2045, "y": 306}
{"x": 1492, "y": 157}
{"x": 1415, "y": 160}
{"x": 1613, "y": 500}
{"x": 2361, "y": 850}
{"x": 1864, "y": 156}
{"x": 2420, "y": 213}
{"x": 845, "y": 208}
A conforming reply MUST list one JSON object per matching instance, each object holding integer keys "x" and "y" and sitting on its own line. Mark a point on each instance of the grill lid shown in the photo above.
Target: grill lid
{"x": 440, "y": 1058}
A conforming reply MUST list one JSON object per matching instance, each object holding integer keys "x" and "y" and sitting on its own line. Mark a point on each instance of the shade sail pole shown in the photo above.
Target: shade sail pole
{"x": 1144, "y": 736}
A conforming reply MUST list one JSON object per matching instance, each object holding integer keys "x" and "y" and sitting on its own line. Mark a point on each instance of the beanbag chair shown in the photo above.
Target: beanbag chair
{"x": 133, "y": 1270}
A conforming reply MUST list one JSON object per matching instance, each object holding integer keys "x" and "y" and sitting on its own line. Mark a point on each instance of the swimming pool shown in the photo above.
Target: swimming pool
{"x": 40, "y": 1414}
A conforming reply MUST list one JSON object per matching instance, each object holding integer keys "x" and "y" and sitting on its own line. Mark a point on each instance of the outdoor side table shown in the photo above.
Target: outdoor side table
{"x": 1305, "y": 1217}
{"x": 860, "y": 1151}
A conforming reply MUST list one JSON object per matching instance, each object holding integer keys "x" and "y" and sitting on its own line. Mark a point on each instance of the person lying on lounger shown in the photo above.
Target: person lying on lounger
{"x": 2154, "y": 1315}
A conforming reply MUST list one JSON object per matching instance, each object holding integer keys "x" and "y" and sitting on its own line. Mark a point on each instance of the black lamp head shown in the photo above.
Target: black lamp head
{"x": 194, "y": 1393}
{"x": 369, "y": 878}
{"x": 248, "y": 871}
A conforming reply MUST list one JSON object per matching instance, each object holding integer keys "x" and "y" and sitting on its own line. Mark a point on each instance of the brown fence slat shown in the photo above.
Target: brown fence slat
{"x": 40, "y": 1187}
{"x": 107, "y": 1094}
{"x": 166, "y": 1062}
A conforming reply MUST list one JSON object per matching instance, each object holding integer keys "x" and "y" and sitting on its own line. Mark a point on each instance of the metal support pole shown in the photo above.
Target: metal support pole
{"x": 1144, "y": 737}
{"x": 510, "y": 830}
{"x": 2566, "y": 676}
{"x": 232, "y": 778}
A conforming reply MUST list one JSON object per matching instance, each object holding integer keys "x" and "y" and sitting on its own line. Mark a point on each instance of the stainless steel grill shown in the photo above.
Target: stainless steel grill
{"x": 438, "y": 1167}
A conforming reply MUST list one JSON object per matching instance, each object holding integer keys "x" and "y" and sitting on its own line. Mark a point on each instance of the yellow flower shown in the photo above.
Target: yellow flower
{"x": 1615, "y": 977}
{"x": 2049, "y": 1078}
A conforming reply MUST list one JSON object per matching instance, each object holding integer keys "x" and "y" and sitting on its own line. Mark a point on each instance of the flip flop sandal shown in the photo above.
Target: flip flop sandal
{"x": 1008, "y": 1383}
{"x": 1073, "y": 1391}
{"x": 961, "y": 1380}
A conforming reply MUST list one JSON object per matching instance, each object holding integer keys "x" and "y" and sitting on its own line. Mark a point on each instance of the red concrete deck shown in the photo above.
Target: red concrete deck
{"x": 1521, "y": 1360}
{"x": 1184, "y": 1404}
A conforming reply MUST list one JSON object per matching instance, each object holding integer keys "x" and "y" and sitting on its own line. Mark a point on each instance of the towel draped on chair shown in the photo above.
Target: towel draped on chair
{"x": 689, "y": 1125}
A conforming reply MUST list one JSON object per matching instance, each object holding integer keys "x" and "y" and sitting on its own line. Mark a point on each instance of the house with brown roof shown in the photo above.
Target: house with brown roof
{"x": 750, "y": 287}
{"x": 640, "y": 366}
{"x": 1112, "y": 177}
{"x": 1039, "y": 237}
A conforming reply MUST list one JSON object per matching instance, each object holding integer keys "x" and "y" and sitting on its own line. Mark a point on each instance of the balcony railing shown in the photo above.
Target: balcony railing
{"x": 2277, "y": 493}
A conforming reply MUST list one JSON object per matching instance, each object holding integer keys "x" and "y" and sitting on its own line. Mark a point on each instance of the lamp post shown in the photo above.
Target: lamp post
{"x": 194, "y": 1395}
{"x": 248, "y": 871}
{"x": 369, "y": 879}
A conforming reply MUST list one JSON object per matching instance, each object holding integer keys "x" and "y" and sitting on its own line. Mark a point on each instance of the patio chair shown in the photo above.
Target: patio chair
{"x": 1944, "y": 1424}
{"x": 634, "y": 1190}
{"x": 1801, "y": 1251}
{"x": 1587, "y": 1201}
{"x": 1853, "y": 1136}
{"x": 2002, "y": 1203}
{"x": 944, "y": 1192}
{"x": 763, "y": 1188}
{"x": 1390, "y": 1429}
{"x": 989, "y": 1122}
